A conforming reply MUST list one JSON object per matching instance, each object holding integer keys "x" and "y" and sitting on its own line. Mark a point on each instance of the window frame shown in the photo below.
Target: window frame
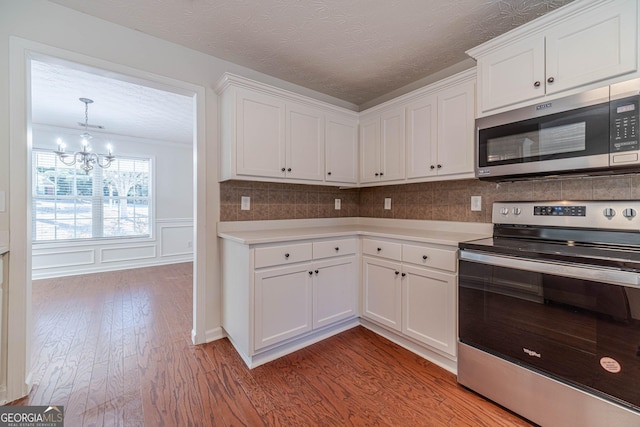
{"x": 151, "y": 203}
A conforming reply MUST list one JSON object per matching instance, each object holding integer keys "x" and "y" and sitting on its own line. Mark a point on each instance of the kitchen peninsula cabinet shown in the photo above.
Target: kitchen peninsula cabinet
{"x": 276, "y": 294}
{"x": 581, "y": 44}
{"x": 269, "y": 134}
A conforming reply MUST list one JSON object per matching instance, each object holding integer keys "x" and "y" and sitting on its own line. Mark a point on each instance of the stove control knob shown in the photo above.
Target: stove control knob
{"x": 517, "y": 211}
{"x": 609, "y": 213}
{"x": 504, "y": 211}
{"x": 629, "y": 213}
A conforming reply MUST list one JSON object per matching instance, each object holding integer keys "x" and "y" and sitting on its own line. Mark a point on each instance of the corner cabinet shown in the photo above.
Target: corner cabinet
{"x": 277, "y": 298}
{"x": 341, "y": 149}
{"x": 274, "y": 135}
{"x": 579, "y": 44}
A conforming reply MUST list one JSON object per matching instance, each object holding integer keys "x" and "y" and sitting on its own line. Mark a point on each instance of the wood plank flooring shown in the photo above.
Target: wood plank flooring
{"x": 114, "y": 349}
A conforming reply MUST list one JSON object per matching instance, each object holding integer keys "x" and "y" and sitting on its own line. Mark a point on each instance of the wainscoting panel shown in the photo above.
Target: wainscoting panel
{"x": 127, "y": 253}
{"x": 176, "y": 239}
{"x": 62, "y": 259}
{"x": 171, "y": 244}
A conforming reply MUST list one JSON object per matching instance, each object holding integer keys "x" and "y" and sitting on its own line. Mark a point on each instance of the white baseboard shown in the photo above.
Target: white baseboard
{"x": 103, "y": 268}
{"x": 214, "y": 334}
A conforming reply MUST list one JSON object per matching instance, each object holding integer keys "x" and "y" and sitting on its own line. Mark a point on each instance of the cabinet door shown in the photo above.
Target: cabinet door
{"x": 429, "y": 308}
{"x": 601, "y": 45}
{"x": 422, "y": 134}
{"x": 305, "y": 143}
{"x": 511, "y": 75}
{"x": 283, "y": 304}
{"x": 392, "y": 142}
{"x": 260, "y": 145}
{"x": 341, "y": 149}
{"x": 370, "y": 150}
{"x": 335, "y": 291}
{"x": 456, "y": 118}
{"x": 382, "y": 292}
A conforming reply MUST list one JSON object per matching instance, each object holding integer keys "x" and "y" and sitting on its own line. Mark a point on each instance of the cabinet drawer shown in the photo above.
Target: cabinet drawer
{"x": 382, "y": 248}
{"x": 444, "y": 259}
{"x": 282, "y": 255}
{"x": 332, "y": 248}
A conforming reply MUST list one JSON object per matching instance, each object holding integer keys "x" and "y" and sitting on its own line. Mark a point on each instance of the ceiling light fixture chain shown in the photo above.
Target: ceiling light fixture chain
{"x": 85, "y": 158}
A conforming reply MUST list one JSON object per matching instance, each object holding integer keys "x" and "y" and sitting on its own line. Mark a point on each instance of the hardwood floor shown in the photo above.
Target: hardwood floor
{"x": 114, "y": 349}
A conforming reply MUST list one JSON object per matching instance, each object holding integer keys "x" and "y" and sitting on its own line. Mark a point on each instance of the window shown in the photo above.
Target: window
{"x": 70, "y": 204}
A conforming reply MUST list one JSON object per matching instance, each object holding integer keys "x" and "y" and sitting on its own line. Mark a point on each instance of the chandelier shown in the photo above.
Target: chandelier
{"x": 85, "y": 157}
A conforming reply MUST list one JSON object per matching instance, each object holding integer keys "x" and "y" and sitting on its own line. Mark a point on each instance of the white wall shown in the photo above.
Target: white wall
{"x": 171, "y": 239}
{"x": 40, "y": 26}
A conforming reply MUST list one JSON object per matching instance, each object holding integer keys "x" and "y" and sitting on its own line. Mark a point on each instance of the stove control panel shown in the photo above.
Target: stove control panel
{"x": 560, "y": 210}
{"x": 614, "y": 214}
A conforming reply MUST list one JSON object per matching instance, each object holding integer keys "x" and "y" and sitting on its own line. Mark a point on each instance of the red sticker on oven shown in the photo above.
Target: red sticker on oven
{"x": 610, "y": 365}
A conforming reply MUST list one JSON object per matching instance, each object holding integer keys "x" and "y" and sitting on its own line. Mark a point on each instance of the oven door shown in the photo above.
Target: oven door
{"x": 568, "y": 134}
{"x": 579, "y": 325}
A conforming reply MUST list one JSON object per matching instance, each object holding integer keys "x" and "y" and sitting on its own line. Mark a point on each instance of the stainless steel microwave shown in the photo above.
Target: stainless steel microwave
{"x": 591, "y": 132}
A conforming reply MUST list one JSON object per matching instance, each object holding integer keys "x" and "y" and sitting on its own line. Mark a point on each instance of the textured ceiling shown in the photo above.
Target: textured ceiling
{"x": 355, "y": 50}
{"x": 123, "y": 108}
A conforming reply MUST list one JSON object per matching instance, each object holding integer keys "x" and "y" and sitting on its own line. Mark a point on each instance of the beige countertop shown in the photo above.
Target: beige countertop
{"x": 435, "y": 232}
{"x": 4, "y": 250}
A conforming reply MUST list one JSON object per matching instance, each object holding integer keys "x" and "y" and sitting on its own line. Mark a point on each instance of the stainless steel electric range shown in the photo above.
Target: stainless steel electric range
{"x": 549, "y": 312}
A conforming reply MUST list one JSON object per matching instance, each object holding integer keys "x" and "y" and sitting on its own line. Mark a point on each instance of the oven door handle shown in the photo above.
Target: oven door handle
{"x": 581, "y": 271}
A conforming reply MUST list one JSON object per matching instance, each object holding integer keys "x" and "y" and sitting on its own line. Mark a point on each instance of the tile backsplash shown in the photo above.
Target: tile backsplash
{"x": 285, "y": 201}
{"x": 442, "y": 200}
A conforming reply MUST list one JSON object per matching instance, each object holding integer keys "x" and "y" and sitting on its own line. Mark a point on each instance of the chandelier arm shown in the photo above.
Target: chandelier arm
{"x": 64, "y": 156}
{"x": 106, "y": 161}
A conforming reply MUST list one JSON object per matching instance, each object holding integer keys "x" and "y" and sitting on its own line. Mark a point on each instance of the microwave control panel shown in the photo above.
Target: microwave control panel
{"x": 624, "y": 125}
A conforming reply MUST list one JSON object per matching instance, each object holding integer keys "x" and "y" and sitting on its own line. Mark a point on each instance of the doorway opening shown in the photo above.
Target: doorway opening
{"x": 109, "y": 226}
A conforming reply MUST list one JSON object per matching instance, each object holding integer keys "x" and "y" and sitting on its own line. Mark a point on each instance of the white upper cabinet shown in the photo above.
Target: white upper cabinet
{"x": 260, "y": 134}
{"x": 304, "y": 143}
{"x": 382, "y": 144}
{"x": 268, "y": 134}
{"x": 583, "y": 43}
{"x": 341, "y": 149}
{"x": 597, "y": 46}
{"x": 392, "y": 144}
{"x": 456, "y": 122}
{"x": 440, "y": 131}
{"x": 512, "y": 75}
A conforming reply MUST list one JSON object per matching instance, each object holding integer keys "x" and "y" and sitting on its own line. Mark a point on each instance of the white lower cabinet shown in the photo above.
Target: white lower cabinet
{"x": 279, "y": 297}
{"x": 382, "y": 292}
{"x": 335, "y": 291}
{"x": 290, "y": 301}
{"x": 413, "y": 291}
{"x": 283, "y": 304}
{"x": 429, "y": 302}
